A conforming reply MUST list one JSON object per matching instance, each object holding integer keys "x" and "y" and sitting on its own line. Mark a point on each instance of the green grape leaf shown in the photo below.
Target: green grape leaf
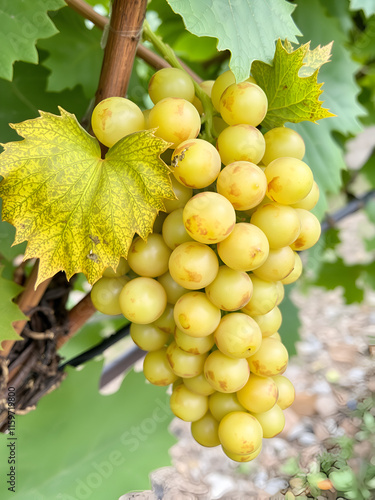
{"x": 98, "y": 447}
{"x": 248, "y": 28}
{"x": 79, "y": 212}
{"x": 290, "y": 97}
{"x": 75, "y": 55}
{"x": 368, "y": 6}
{"x": 314, "y": 59}
{"x": 21, "y": 25}
{"x": 370, "y": 212}
{"x": 9, "y": 311}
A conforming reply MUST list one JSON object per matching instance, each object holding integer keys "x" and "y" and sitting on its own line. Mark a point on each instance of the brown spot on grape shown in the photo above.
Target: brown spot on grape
{"x": 193, "y": 350}
{"x": 194, "y": 225}
{"x": 223, "y": 384}
{"x": 234, "y": 190}
{"x": 227, "y": 102}
{"x": 230, "y": 228}
{"x": 193, "y": 276}
{"x": 210, "y": 374}
{"x": 300, "y": 242}
{"x": 184, "y": 322}
{"x": 183, "y": 180}
{"x": 104, "y": 114}
{"x": 275, "y": 185}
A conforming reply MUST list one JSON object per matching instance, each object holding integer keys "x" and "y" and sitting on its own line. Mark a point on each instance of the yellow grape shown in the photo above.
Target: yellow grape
{"x": 221, "y": 83}
{"x": 245, "y": 249}
{"x": 171, "y": 82}
{"x": 238, "y": 335}
{"x": 183, "y": 194}
{"x": 280, "y": 292}
{"x": 226, "y": 374}
{"x": 279, "y": 223}
{"x": 105, "y": 294}
{"x": 271, "y": 359}
{"x": 196, "y": 163}
{"x": 122, "y": 268}
{"x": 142, "y": 300}
{"x": 174, "y": 231}
{"x": 205, "y": 431}
{"x": 272, "y": 421}
{"x": 270, "y": 322}
{"x": 281, "y": 142}
{"x": 240, "y": 143}
{"x": 195, "y": 315}
{"x": 230, "y": 290}
{"x": 243, "y": 102}
{"x": 193, "y": 265}
{"x": 222, "y": 403}
{"x": 184, "y": 364}
{"x": 114, "y": 118}
{"x": 240, "y": 433}
{"x": 278, "y": 265}
{"x": 175, "y": 119}
{"x": 188, "y": 405}
{"x": 243, "y": 183}
{"x": 199, "y": 385}
{"x": 209, "y": 217}
{"x": 173, "y": 290}
{"x": 289, "y": 180}
{"x": 159, "y": 221}
{"x": 194, "y": 345}
{"x": 286, "y": 391}
{"x": 206, "y": 86}
{"x": 310, "y": 230}
{"x": 148, "y": 337}
{"x": 309, "y": 202}
{"x": 166, "y": 322}
{"x": 259, "y": 394}
{"x": 242, "y": 458}
{"x": 264, "y": 297}
{"x": 149, "y": 258}
{"x": 156, "y": 368}
{"x": 296, "y": 273}
{"x": 276, "y": 336}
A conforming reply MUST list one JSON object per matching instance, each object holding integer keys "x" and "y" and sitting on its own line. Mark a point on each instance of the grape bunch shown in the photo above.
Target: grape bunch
{"x": 203, "y": 291}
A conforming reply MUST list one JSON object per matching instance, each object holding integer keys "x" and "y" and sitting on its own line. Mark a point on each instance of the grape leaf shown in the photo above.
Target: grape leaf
{"x": 21, "y": 25}
{"x": 314, "y": 59}
{"x": 9, "y": 311}
{"x": 368, "y": 6}
{"x": 75, "y": 55}
{"x": 290, "y": 97}
{"x": 248, "y": 28}
{"x": 370, "y": 212}
{"x": 79, "y": 444}
{"x": 78, "y": 212}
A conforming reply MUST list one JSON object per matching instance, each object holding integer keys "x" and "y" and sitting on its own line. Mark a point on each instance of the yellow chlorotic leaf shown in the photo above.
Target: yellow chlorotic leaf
{"x": 291, "y": 84}
{"x": 78, "y": 212}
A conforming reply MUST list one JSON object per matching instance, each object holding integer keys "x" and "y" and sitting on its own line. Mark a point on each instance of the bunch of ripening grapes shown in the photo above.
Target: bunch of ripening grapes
{"x": 203, "y": 291}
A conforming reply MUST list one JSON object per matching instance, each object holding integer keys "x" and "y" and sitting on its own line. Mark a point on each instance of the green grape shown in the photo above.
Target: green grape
{"x": 199, "y": 385}
{"x": 143, "y": 300}
{"x": 187, "y": 405}
{"x": 270, "y": 322}
{"x": 281, "y": 142}
{"x": 280, "y": 292}
{"x": 287, "y": 392}
{"x": 159, "y": 221}
{"x": 146, "y": 114}
{"x": 122, "y": 268}
{"x": 221, "y": 83}
{"x": 230, "y": 290}
{"x": 240, "y": 433}
{"x": 193, "y": 265}
{"x": 156, "y": 368}
{"x": 218, "y": 125}
{"x": 271, "y": 359}
{"x": 174, "y": 231}
{"x": 259, "y": 394}
{"x": 209, "y": 217}
{"x": 195, "y": 315}
{"x": 149, "y": 258}
{"x": 175, "y": 119}
{"x": 296, "y": 273}
{"x": 243, "y": 103}
{"x": 243, "y": 183}
{"x": 183, "y": 194}
{"x": 238, "y": 335}
{"x": 289, "y": 180}
{"x": 309, "y": 202}
{"x": 194, "y": 345}
{"x": 245, "y": 249}
{"x": 173, "y": 290}
{"x": 205, "y": 431}
{"x": 222, "y": 403}
{"x": 148, "y": 337}
{"x": 272, "y": 421}
{"x": 310, "y": 230}
{"x": 114, "y": 118}
{"x": 279, "y": 223}
{"x": 242, "y": 458}
{"x": 278, "y": 265}
{"x": 105, "y": 294}
{"x": 166, "y": 322}
{"x": 184, "y": 364}
{"x": 206, "y": 86}
{"x": 226, "y": 374}
{"x": 240, "y": 143}
{"x": 264, "y": 297}
{"x": 196, "y": 163}
{"x": 171, "y": 82}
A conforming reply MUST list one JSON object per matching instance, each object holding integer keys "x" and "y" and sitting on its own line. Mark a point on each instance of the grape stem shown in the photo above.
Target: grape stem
{"x": 167, "y": 52}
